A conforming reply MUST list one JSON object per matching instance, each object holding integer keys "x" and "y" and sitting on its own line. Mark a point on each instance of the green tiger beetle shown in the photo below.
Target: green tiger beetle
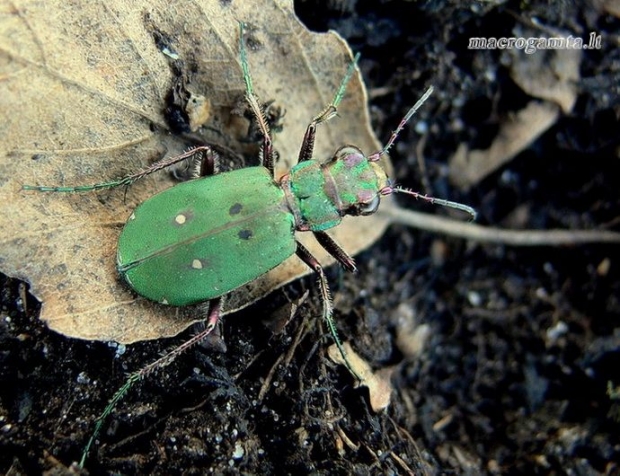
{"x": 189, "y": 235}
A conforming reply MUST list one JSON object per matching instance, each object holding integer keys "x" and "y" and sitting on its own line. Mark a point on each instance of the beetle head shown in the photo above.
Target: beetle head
{"x": 358, "y": 181}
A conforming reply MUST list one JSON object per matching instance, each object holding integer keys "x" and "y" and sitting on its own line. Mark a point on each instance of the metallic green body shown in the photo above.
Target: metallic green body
{"x": 206, "y": 237}
{"x": 308, "y": 190}
{"x": 203, "y": 238}
{"x": 322, "y": 193}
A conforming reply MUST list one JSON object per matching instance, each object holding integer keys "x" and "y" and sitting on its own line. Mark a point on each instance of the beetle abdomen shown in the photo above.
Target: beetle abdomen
{"x": 201, "y": 239}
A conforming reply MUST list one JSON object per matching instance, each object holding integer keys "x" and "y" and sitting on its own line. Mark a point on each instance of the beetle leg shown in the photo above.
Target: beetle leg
{"x": 257, "y": 110}
{"x": 198, "y": 155}
{"x": 215, "y": 308}
{"x": 205, "y": 164}
{"x": 335, "y": 250}
{"x": 211, "y": 321}
{"x": 305, "y": 255}
{"x": 307, "y": 146}
{"x": 128, "y": 179}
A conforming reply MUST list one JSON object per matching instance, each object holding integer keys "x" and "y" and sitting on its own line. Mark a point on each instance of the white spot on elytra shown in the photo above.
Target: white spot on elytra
{"x": 133, "y": 216}
{"x": 164, "y": 301}
{"x": 180, "y": 219}
{"x": 197, "y": 264}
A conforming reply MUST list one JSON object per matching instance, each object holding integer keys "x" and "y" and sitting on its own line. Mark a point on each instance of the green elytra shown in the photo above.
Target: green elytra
{"x": 201, "y": 239}
{"x": 190, "y": 236}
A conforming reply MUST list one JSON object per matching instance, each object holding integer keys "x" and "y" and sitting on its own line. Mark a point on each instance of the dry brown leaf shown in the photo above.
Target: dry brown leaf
{"x": 378, "y": 383}
{"x": 468, "y": 167}
{"x": 610, "y": 6}
{"x": 82, "y": 97}
{"x": 551, "y": 75}
{"x": 547, "y": 74}
{"x": 412, "y": 337}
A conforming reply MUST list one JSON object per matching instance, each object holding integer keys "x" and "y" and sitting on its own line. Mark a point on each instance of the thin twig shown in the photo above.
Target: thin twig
{"x": 483, "y": 234}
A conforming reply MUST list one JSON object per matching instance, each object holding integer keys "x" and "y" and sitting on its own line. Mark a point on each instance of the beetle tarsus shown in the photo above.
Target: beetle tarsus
{"x": 212, "y": 319}
{"x": 257, "y": 109}
{"x": 307, "y": 257}
{"x": 307, "y": 146}
{"x": 129, "y": 179}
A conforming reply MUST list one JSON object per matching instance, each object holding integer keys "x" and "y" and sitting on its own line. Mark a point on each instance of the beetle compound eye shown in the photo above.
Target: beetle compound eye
{"x": 349, "y": 155}
{"x": 368, "y": 208}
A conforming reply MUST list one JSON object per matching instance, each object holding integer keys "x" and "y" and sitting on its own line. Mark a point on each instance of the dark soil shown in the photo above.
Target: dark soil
{"x": 524, "y": 341}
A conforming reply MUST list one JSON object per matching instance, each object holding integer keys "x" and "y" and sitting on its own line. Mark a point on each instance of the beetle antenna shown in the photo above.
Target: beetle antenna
{"x": 377, "y": 155}
{"x": 427, "y": 198}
